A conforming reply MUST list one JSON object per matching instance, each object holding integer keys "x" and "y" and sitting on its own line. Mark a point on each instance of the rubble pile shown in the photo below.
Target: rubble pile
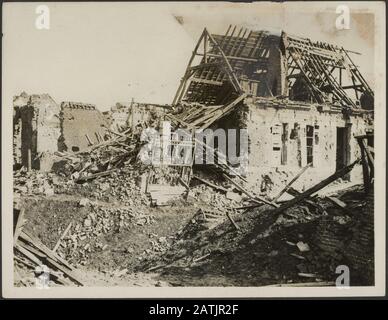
{"x": 87, "y": 237}
{"x": 101, "y": 159}
{"x": 35, "y": 182}
{"x": 301, "y": 245}
{"x": 120, "y": 186}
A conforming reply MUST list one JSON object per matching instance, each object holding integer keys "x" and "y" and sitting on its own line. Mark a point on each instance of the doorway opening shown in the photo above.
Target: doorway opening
{"x": 343, "y": 149}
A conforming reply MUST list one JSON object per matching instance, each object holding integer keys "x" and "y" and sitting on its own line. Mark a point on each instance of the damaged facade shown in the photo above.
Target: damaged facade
{"x": 42, "y": 127}
{"x": 82, "y": 125}
{"x": 301, "y": 102}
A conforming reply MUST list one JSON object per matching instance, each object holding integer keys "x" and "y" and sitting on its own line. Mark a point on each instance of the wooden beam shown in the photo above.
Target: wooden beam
{"x": 254, "y": 198}
{"x": 229, "y": 68}
{"x": 232, "y": 221}
{"x": 211, "y": 184}
{"x": 292, "y": 182}
{"x": 214, "y": 55}
{"x": 19, "y": 225}
{"x": 338, "y": 174}
{"x": 205, "y": 65}
{"x": 185, "y": 77}
{"x": 211, "y": 82}
{"x": 61, "y": 237}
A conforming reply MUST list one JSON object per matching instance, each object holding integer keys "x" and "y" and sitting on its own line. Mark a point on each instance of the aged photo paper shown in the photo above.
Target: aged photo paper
{"x": 198, "y": 149}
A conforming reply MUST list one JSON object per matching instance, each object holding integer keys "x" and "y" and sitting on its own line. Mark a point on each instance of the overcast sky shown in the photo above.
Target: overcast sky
{"x": 103, "y": 53}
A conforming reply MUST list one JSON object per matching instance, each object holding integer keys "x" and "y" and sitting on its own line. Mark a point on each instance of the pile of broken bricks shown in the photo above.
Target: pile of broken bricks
{"x": 80, "y": 239}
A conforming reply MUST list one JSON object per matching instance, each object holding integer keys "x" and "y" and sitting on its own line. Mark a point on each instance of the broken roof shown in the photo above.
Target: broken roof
{"x": 263, "y": 64}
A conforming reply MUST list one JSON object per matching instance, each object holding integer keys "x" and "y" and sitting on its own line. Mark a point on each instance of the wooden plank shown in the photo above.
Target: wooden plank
{"x": 36, "y": 243}
{"x": 95, "y": 175}
{"x": 309, "y": 201}
{"x": 230, "y": 70}
{"x": 19, "y": 225}
{"x": 338, "y": 174}
{"x": 305, "y": 284}
{"x": 204, "y": 65}
{"x": 337, "y": 202}
{"x": 181, "y": 88}
{"x": 210, "y": 184}
{"x": 88, "y": 139}
{"x": 232, "y": 221}
{"x": 28, "y": 255}
{"x": 292, "y": 182}
{"x": 61, "y": 237}
{"x": 255, "y": 198}
{"x": 51, "y": 257}
{"x": 365, "y": 169}
{"x": 211, "y": 82}
{"x": 368, "y": 153}
{"x": 224, "y": 111}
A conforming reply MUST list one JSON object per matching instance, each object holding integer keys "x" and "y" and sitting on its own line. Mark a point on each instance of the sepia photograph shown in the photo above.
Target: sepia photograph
{"x": 193, "y": 149}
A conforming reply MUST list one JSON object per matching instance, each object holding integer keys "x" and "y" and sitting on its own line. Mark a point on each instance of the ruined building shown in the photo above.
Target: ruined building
{"x": 301, "y": 101}
{"x": 42, "y": 127}
{"x": 130, "y": 115}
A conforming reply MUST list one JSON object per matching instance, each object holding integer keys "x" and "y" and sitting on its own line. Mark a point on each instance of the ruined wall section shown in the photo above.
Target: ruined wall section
{"x": 18, "y": 102}
{"x": 272, "y": 130}
{"x": 82, "y": 125}
{"x": 40, "y": 130}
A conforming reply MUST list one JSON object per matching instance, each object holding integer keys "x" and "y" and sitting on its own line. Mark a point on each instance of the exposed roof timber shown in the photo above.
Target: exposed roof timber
{"x": 212, "y": 82}
{"x": 230, "y": 57}
{"x": 324, "y": 70}
{"x": 214, "y": 69}
{"x": 313, "y": 60}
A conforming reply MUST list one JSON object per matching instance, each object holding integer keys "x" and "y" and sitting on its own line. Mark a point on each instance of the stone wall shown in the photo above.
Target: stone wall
{"x": 278, "y": 143}
{"x": 40, "y": 130}
{"x": 80, "y": 122}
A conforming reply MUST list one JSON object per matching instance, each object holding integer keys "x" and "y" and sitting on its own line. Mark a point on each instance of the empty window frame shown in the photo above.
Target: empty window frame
{"x": 309, "y": 144}
{"x": 284, "y": 143}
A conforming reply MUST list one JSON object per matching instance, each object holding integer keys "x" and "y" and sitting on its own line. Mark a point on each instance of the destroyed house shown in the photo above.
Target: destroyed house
{"x": 301, "y": 102}
{"x": 42, "y": 128}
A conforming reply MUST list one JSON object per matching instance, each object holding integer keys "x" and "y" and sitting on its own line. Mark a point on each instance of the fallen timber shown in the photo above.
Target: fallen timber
{"x": 338, "y": 174}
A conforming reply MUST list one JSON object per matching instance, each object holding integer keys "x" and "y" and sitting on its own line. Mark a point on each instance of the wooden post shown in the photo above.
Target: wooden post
{"x": 291, "y": 182}
{"x": 365, "y": 169}
{"x": 29, "y": 155}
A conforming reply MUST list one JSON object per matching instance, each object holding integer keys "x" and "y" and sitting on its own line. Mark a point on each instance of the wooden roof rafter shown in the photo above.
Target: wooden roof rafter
{"x": 215, "y": 68}
{"x": 321, "y": 66}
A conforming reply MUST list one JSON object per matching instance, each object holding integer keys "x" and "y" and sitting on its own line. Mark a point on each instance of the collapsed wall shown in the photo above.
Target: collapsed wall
{"x": 81, "y": 126}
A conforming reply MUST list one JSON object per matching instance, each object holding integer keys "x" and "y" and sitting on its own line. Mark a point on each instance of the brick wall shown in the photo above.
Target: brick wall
{"x": 80, "y": 121}
{"x": 278, "y": 143}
